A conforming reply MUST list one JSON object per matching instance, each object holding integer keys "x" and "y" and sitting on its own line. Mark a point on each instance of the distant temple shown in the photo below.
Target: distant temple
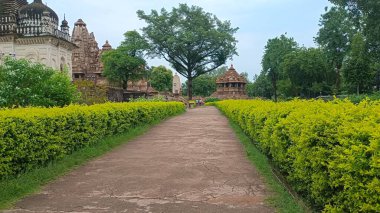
{"x": 31, "y": 31}
{"x": 86, "y": 58}
{"x": 231, "y": 86}
{"x": 177, "y": 87}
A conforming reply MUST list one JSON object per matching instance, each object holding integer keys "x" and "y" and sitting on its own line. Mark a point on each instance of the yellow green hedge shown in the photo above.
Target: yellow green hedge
{"x": 329, "y": 152}
{"x": 35, "y": 136}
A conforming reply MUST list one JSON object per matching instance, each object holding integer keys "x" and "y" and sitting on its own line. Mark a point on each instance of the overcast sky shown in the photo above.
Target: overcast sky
{"x": 258, "y": 20}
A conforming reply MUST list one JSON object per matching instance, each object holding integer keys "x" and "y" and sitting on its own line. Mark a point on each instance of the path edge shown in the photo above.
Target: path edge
{"x": 281, "y": 199}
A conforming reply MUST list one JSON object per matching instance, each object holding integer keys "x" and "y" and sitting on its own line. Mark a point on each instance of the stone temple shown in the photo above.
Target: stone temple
{"x": 32, "y": 31}
{"x": 86, "y": 58}
{"x": 231, "y": 86}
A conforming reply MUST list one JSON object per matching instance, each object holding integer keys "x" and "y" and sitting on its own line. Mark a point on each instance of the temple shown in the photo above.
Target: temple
{"x": 32, "y": 31}
{"x": 231, "y": 86}
{"x": 86, "y": 58}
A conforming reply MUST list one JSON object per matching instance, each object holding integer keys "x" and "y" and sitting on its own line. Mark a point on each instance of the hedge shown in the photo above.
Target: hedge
{"x": 31, "y": 137}
{"x": 328, "y": 151}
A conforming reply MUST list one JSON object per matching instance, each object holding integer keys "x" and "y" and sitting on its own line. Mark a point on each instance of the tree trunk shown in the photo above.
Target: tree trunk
{"x": 337, "y": 83}
{"x": 125, "y": 85}
{"x": 358, "y": 90}
{"x": 378, "y": 80}
{"x": 190, "y": 88}
{"x": 274, "y": 83}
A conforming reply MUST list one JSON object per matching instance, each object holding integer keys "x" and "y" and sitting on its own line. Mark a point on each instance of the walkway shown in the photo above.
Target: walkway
{"x": 190, "y": 163}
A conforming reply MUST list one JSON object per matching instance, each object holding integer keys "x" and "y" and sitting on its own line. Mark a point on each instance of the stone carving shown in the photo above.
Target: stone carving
{"x": 86, "y": 58}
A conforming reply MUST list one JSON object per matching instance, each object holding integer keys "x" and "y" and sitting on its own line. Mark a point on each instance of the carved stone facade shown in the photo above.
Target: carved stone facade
{"x": 86, "y": 58}
{"x": 31, "y": 31}
{"x": 231, "y": 86}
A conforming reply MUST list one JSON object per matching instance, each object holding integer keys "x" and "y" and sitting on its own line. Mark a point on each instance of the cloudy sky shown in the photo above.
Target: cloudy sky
{"x": 258, "y": 20}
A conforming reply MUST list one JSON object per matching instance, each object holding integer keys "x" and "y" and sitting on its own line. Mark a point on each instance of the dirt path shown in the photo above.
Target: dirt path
{"x": 190, "y": 163}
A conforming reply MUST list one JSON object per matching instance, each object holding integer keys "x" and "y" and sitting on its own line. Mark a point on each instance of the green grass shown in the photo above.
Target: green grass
{"x": 282, "y": 199}
{"x": 14, "y": 189}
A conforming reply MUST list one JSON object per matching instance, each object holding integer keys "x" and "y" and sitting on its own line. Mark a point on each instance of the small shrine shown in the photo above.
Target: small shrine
{"x": 231, "y": 86}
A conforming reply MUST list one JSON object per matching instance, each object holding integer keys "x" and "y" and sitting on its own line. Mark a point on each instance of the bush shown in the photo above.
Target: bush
{"x": 32, "y": 137}
{"x": 211, "y": 100}
{"x": 28, "y": 84}
{"x": 329, "y": 152}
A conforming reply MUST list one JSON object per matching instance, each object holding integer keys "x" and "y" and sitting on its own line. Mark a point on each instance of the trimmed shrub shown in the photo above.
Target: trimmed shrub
{"x": 328, "y": 151}
{"x": 31, "y": 137}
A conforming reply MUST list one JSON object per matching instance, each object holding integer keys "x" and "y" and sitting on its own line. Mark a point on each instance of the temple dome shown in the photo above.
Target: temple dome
{"x": 107, "y": 46}
{"x": 37, "y": 9}
{"x": 231, "y": 76}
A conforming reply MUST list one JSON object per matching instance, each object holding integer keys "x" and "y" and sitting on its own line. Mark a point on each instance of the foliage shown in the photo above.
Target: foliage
{"x": 126, "y": 63}
{"x": 308, "y": 72}
{"x": 334, "y": 37}
{"x": 161, "y": 79}
{"x": 193, "y": 41}
{"x": 32, "y": 137}
{"x": 90, "y": 93}
{"x": 329, "y": 151}
{"x": 211, "y": 99}
{"x": 357, "y": 71}
{"x": 24, "y": 83}
{"x": 205, "y": 85}
{"x": 368, "y": 12}
{"x": 368, "y": 97}
{"x": 275, "y": 52}
{"x": 261, "y": 87}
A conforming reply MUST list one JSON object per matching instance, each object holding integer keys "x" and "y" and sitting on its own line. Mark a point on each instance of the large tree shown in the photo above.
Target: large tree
{"x": 367, "y": 12}
{"x": 356, "y": 70}
{"x": 127, "y": 62}
{"x": 308, "y": 72}
{"x": 275, "y": 52}
{"x": 334, "y": 36}
{"x": 193, "y": 41}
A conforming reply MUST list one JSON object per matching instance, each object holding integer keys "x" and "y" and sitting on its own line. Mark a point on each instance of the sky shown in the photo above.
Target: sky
{"x": 257, "y": 20}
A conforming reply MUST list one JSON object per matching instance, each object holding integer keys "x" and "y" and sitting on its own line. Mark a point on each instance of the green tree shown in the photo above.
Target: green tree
{"x": 275, "y": 52}
{"x": 308, "y": 72}
{"x": 24, "y": 83}
{"x": 367, "y": 12}
{"x": 204, "y": 85}
{"x": 193, "y": 41}
{"x": 161, "y": 78}
{"x": 334, "y": 36}
{"x": 356, "y": 70}
{"x": 126, "y": 63}
{"x": 261, "y": 87}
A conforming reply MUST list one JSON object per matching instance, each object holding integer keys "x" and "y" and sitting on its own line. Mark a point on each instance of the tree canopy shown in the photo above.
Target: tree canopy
{"x": 356, "y": 70}
{"x": 193, "y": 41}
{"x": 161, "y": 78}
{"x": 275, "y": 52}
{"x": 127, "y": 61}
